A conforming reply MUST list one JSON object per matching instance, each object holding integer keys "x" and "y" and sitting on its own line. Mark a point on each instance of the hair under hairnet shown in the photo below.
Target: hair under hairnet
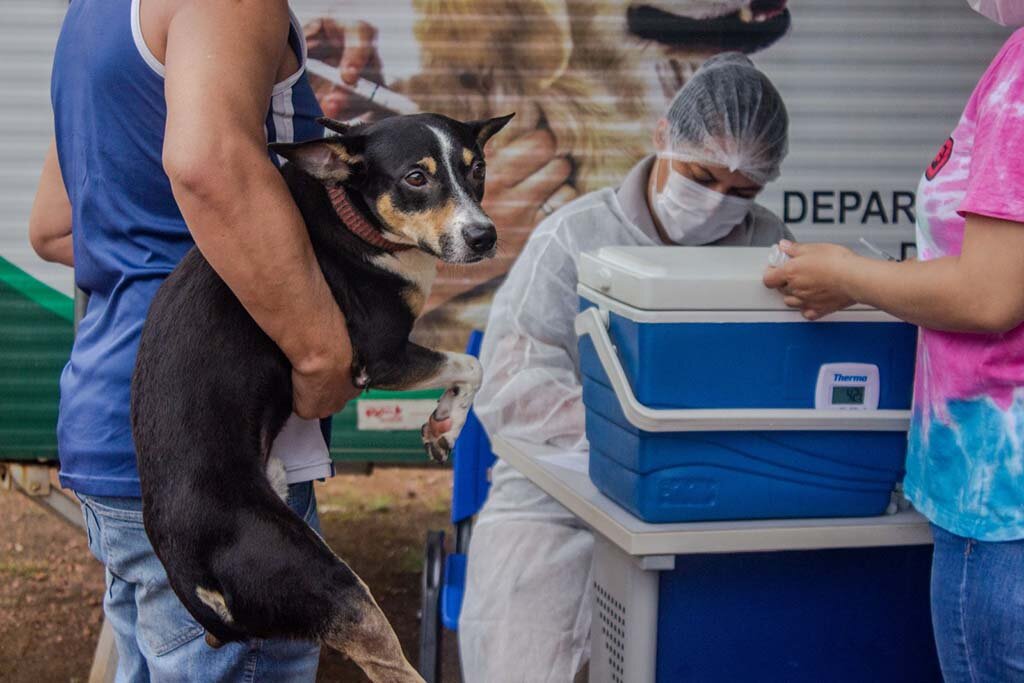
{"x": 730, "y": 114}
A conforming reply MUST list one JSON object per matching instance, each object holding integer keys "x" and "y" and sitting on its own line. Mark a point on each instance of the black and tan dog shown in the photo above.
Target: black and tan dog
{"x": 382, "y": 202}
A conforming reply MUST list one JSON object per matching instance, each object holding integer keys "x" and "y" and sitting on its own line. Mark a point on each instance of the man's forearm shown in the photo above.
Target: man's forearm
{"x": 246, "y": 224}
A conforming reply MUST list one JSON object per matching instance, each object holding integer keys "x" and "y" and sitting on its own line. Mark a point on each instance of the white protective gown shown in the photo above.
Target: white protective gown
{"x": 526, "y": 615}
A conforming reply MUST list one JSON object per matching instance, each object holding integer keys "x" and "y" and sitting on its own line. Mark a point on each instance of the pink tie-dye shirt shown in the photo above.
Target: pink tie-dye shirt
{"x": 965, "y": 467}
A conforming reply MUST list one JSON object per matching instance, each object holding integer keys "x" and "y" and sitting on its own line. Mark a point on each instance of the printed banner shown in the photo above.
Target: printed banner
{"x": 872, "y": 91}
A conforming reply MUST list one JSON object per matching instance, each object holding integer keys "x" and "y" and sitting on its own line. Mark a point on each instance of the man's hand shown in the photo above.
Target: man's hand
{"x": 352, "y": 47}
{"x": 525, "y": 183}
{"x": 813, "y": 279}
{"x": 320, "y": 391}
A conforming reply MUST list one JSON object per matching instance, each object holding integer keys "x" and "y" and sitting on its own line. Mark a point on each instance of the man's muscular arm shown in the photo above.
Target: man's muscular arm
{"x": 221, "y": 61}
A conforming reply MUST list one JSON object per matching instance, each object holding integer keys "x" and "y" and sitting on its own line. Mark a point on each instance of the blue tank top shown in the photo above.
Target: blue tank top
{"x": 107, "y": 91}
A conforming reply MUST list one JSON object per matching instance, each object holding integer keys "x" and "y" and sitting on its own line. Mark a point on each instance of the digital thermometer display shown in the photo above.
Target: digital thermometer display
{"x": 847, "y": 386}
{"x": 847, "y": 396}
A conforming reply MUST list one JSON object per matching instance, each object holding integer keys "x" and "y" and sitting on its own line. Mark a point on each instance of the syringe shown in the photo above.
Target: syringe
{"x": 367, "y": 90}
{"x": 876, "y": 251}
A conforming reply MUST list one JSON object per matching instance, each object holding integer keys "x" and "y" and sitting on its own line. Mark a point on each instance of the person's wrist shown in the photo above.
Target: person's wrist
{"x": 847, "y": 273}
{"x": 324, "y": 343}
{"x": 315, "y": 360}
{"x": 310, "y": 362}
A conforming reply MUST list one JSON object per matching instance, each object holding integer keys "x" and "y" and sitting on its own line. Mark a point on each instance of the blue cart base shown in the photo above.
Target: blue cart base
{"x": 830, "y": 615}
{"x": 849, "y": 615}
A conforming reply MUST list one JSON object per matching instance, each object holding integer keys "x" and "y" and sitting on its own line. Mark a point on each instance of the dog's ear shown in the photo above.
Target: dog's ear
{"x": 337, "y": 126}
{"x": 329, "y": 159}
{"x": 485, "y": 129}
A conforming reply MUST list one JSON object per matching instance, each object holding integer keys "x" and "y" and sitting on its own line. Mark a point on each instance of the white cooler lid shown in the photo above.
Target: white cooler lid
{"x": 682, "y": 278}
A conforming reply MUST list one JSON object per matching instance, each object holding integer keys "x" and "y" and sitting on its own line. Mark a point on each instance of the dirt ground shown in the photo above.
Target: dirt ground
{"x": 51, "y": 587}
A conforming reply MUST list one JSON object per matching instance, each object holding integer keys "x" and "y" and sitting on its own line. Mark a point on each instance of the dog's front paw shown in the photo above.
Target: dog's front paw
{"x": 438, "y": 447}
{"x": 447, "y": 420}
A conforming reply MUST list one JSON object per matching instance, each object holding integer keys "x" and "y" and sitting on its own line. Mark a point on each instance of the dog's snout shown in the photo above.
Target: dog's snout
{"x": 480, "y": 237}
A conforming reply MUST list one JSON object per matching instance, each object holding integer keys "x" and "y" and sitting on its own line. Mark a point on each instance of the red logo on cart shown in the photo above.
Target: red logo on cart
{"x": 940, "y": 160}
{"x": 385, "y": 413}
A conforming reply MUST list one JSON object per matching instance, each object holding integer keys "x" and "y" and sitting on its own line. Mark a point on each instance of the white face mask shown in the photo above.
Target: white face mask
{"x": 1005, "y": 12}
{"x": 693, "y": 215}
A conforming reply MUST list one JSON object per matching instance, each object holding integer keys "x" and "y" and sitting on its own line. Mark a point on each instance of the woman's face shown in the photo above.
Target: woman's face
{"x": 714, "y": 177}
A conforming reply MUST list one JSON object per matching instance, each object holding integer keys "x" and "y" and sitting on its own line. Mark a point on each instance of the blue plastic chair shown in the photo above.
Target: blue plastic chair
{"x": 444, "y": 577}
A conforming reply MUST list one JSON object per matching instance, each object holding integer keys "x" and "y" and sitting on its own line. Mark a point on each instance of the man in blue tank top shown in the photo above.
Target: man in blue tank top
{"x": 163, "y": 111}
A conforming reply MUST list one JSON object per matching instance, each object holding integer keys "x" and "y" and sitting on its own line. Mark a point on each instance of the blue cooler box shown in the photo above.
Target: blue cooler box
{"x": 708, "y": 399}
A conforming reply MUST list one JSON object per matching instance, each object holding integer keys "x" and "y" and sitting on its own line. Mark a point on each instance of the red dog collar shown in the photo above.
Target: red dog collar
{"x": 358, "y": 225}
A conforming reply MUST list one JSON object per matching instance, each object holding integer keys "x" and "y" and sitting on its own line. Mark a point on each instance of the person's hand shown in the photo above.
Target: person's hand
{"x": 525, "y": 183}
{"x": 812, "y": 279}
{"x": 322, "y": 387}
{"x": 352, "y": 47}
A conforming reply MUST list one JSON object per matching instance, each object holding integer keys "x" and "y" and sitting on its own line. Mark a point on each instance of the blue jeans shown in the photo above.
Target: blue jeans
{"x": 978, "y": 608}
{"x": 157, "y": 639}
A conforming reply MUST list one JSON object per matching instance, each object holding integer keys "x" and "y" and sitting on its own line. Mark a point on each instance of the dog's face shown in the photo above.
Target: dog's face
{"x": 421, "y": 177}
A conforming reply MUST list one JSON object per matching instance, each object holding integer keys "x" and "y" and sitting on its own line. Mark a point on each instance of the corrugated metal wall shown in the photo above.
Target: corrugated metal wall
{"x": 35, "y": 320}
{"x": 873, "y": 87}
{"x": 28, "y": 33}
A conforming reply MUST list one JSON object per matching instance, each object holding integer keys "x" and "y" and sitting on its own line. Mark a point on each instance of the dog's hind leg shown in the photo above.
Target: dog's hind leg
{"x": 360, "y": 630}
{"x": 277, "y": 578}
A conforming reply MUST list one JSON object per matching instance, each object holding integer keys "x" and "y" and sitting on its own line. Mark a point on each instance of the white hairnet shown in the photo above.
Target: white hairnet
{"x": 729, "y": 114}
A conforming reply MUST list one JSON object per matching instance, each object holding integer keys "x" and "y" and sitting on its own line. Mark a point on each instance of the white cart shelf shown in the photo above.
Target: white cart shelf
{"x": 630, "y": 553}
{"x": 565, "y": 480}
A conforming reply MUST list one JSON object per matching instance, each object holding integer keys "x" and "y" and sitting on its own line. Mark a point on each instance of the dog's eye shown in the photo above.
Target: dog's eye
{"x": 479, "y": 171}
{"x": 416, "y": 179}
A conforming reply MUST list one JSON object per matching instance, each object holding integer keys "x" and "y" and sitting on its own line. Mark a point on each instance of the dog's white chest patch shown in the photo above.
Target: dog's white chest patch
{"x": 416, "y": 267}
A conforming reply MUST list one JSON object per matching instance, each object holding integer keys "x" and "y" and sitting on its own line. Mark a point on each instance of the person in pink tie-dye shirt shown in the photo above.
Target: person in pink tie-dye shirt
{"x": 965, "y": 462}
